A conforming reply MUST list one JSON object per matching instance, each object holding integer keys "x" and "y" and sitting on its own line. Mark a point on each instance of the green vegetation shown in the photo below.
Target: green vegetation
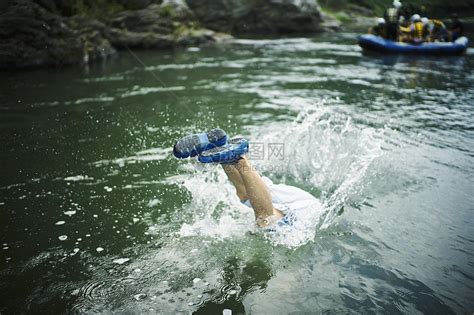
{"x": 187, "y": 29}
{"x": 339, "y": 15}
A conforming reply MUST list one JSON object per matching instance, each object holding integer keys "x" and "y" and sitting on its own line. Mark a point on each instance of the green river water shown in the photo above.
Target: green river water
{"x": 97, "y": 216}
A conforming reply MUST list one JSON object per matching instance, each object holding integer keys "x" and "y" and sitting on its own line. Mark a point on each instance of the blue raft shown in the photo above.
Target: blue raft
{"x": 377, "y": 43}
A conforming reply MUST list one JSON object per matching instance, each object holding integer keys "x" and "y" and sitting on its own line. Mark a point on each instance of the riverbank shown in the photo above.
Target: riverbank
{"x": 55, "y": 33}
{"x": 45, "y": 34}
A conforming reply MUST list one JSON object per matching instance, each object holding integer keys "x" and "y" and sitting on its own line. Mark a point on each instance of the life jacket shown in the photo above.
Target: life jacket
{"x": 417, "y": 30}
{"x": 439, "y": 31}
{"x": 404, "y": 29}
{"x": 438, "y": 23}
{"x": 391, "y": 15}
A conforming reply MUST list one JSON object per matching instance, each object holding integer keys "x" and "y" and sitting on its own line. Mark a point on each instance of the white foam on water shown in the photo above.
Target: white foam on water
{"x": 153, "y": 154}
{"x": 153, "y": 202}
{"x": 217, "y": 210}
{"x": 323, "y": 151}
{"x": 298, "y": 45}
{"x": 77, "y": 178}
{"x": 139, "y": 296}
{"x": 147, "y": 90}
{"x": 104, "y": 79}
{"x": 94, "y": 99}
{"x": 121, "y": 261}
{"x": 301, "y": 231}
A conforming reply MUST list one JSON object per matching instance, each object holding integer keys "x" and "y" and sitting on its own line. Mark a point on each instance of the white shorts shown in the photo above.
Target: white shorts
{"x": 289, "y": 199}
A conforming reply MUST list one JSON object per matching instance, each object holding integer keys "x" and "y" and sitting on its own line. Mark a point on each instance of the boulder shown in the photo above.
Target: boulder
{"x": 158, "y": 26}
{"x": 125, "y": 39}
{"x": 94, "y": 36}
{"x": 153, "y": 19}
{"x": 32, "y": 36}
{"x": 135, "y": 4}
{"x": 258, "y": 16}
{"x": 330, "y": 24}
{"x": 41, "y": 33}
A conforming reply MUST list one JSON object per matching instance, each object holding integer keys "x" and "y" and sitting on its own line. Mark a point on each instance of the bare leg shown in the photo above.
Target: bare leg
{"x": 257, "y": 193}
{"x": 234, "y": 176}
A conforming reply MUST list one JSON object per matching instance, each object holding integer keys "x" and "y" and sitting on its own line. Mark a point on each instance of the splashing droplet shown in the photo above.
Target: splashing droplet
{"x": 121, "y": 261}
{"x": 139, "y": 296}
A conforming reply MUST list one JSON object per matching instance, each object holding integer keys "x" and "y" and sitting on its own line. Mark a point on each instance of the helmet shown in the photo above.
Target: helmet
{"x": 396, "y": 4}
{"x": 424, "y": 20}
{"x": 380, "y": 21}
{"x": 415, "y": 17}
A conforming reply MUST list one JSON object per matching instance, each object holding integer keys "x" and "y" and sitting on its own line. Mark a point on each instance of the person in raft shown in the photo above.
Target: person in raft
{"x": 273, "y": 205}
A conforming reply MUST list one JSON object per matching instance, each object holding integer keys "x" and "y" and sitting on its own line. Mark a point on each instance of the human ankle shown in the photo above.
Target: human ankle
{"x": 242, "y": 162}
{"x": 266, "y": 221}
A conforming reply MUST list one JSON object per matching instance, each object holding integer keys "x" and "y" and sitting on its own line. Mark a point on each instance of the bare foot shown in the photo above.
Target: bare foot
{"x": 270, "y": 220}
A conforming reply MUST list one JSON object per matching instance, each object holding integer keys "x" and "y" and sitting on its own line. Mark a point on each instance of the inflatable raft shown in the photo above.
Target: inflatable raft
{"x": 377, "y": 43}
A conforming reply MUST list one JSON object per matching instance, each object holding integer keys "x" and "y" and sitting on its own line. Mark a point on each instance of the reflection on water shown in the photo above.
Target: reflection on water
{"x": 97, "y": 216}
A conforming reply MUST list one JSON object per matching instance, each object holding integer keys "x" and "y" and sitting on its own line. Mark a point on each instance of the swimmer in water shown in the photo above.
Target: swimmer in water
{"x": 273, "y": 205}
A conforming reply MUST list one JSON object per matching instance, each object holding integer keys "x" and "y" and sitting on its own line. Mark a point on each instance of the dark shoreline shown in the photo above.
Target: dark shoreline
{"x": 38, "y": 34}
{"x": 31, "y": 36}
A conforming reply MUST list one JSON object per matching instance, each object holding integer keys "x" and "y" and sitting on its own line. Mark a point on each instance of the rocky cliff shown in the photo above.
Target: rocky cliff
{"x": 258, "y": 16}
{"x": 42, "y": 33}
{"x": 31, "y": 36}
{"x": 59, "y": 32}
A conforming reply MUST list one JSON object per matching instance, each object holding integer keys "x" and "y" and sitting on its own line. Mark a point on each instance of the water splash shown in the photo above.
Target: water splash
{"x": 323, "y": 151}
{"x": 216, "y": 210}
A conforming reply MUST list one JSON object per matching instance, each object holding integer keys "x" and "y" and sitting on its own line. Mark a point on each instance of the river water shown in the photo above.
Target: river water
{"x": 97, "y": 216}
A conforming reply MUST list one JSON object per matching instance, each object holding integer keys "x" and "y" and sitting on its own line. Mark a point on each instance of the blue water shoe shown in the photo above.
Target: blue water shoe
{"x": 192, "y": 145}
{"x": 227, "y": 154}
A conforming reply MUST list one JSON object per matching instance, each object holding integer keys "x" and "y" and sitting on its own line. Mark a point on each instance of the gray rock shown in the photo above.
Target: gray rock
{"x": 94, "y": 36}
{"x": 36, "y": 34}
{"x": 330, "y": 24}
{"x": 258, "y": 16}
{"x": 157, "y": 26}
{"x": 125, "y": 39}
{"x": 360, "y": 10}
{"x": 135, "y": 4}
{"x": 32, "y": 36}
{"x": 152, "y": 19}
